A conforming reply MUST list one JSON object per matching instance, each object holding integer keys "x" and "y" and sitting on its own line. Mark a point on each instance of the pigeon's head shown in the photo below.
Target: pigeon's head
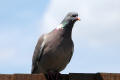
{"x": 71, "y": 17}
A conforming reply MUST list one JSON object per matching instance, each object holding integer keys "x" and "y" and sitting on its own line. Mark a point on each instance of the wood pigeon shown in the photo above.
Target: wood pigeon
{"x": 55, "y": 49}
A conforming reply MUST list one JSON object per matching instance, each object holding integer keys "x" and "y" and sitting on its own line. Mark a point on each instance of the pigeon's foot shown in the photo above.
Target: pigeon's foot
{"x": 53, "y": 76}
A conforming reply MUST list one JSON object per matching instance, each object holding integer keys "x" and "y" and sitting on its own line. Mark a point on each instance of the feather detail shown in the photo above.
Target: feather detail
{"x": 59, "y": 27}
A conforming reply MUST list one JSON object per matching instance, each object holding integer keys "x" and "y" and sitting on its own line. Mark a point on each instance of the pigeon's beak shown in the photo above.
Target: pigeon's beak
{"x": 78, "y": 18}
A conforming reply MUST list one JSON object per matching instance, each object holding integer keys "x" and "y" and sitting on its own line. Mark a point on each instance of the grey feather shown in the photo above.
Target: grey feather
{"x": 38, "y": 54}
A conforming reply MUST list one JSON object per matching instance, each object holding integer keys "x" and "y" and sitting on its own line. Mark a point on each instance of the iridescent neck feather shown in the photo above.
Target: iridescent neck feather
{"x": 61, "y": 26}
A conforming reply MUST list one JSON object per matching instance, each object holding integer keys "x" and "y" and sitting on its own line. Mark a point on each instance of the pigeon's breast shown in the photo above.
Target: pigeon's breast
{"x": 57, "y": 53}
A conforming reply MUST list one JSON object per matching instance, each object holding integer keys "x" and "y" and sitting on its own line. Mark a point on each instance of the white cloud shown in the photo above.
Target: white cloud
{"x": 49, "y": 22}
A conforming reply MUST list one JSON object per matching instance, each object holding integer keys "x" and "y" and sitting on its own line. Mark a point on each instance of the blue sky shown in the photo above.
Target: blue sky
{"x": 19, "y": 32}
{"x": 96, "y": 36}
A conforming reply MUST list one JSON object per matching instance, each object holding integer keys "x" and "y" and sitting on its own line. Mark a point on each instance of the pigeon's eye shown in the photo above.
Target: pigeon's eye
{"x": 74, "y": 15}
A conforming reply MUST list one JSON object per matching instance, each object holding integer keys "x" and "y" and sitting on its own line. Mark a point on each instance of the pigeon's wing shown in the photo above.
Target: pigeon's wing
{"x": 71, "y": 52}
{"x": 37, "y": 54}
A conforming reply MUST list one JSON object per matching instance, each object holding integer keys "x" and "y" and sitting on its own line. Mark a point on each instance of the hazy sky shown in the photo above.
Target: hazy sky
{"x": 96, "y": 36}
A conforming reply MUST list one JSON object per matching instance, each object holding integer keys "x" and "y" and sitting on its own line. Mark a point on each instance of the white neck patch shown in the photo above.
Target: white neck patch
{"x": 59, "y": 27}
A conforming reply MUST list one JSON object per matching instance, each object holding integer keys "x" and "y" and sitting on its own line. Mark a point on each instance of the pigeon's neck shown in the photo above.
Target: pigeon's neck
{"x": 66, "y": 28}
{"x": 65, "y": 25}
